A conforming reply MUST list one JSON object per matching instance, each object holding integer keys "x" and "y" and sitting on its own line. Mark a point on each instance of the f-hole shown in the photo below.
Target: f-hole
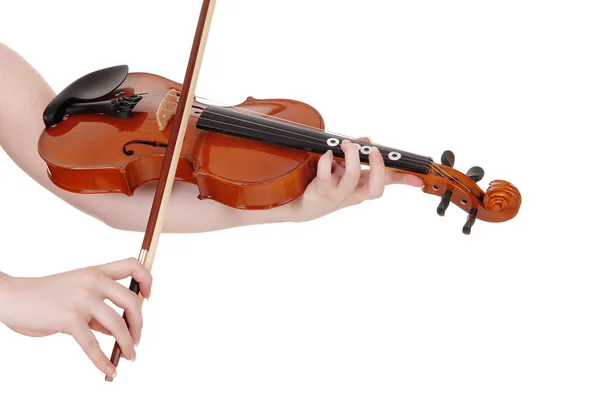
{"x": 130, "y": 152}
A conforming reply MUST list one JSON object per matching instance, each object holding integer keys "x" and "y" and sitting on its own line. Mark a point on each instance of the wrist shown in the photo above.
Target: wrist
{"x": 5, "y": 281}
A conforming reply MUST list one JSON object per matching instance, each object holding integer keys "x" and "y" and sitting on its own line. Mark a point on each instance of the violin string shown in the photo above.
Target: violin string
{"x": 276, "y": 118}
{"x": 435, "y": 167}
{"x": 304, "y": 139}
{"x": 286, "y": 121}
{"x": 428, "y": 163}
{"x": 316, "y": 140}
{"x": 260, "y": 114}
{"x": 410, "y": 160}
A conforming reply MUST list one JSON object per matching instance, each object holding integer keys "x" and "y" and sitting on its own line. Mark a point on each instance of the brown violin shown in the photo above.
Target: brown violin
{"x": 108, "y": 132}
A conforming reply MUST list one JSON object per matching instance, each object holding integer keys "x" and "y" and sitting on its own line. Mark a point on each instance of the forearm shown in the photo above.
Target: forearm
{"x": 4, "y": 281}
{"x": 185, "y": 212}
{"x": 23, "y": 97}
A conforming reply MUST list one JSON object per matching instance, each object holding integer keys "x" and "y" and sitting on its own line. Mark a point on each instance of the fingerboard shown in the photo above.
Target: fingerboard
{"x": 290, "y": 135}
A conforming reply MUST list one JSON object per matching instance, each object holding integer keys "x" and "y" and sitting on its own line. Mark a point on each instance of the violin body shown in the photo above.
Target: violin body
{"x": 84, "y": 152}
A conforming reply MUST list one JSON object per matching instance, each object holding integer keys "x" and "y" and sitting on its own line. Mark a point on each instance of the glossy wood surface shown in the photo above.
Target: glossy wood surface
{"x": 500, "y": 202}
{"x": 85, "y": 154}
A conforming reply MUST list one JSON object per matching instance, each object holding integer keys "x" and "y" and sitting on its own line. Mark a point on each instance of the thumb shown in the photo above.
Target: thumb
{"x": 395, "y": 177}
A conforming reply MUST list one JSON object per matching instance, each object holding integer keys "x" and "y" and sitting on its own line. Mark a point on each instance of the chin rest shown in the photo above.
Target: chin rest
{"x": 90, "y": 87}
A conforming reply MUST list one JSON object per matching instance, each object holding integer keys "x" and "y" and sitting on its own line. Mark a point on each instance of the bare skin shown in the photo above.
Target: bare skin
{"x": 73, "y": 302}
{"x": 337, "y": 185}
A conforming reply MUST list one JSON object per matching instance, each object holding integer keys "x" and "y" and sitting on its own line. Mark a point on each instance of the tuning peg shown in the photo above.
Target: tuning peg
{"x": 448, "y": 158}
{"x": 470, "y": 221}
{"x": 444, "y": 203}
{"x": 475, "y": 173}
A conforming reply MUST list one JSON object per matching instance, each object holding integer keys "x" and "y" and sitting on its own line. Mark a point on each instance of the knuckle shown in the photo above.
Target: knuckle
{"x": 132, "y": 298}
{"x": 133, "y": 301}
{"x": 133, "y": 263}
{"x": 125, "y": 338}
{"x": 91, "y": 275}
{"x": 70, "y": 320}
{"x": 337, "y": 197}
{"x": 375, "y": 193}
{"x": 127, "y": 344}
{"x": 121, "y": 324}
{"x": 323, "y": 178}
{"x": 353, "y": 173}
{"x": 83, "y": 295}
{"x": 91, "y": 344}
{"x": 321, "y": 192}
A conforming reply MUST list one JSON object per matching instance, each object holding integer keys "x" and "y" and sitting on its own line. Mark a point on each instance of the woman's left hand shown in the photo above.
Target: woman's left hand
{"x": 340, "y": 184}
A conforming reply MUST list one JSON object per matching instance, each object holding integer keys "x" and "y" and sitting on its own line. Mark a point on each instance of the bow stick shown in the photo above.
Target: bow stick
{"x": 173, "y": 151}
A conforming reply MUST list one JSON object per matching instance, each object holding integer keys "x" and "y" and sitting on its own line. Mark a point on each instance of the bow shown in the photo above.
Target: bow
{"x": 169, "y": 166}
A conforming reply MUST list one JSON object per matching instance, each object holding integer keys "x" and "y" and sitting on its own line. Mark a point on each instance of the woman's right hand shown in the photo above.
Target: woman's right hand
{"x": 73, "y": 303}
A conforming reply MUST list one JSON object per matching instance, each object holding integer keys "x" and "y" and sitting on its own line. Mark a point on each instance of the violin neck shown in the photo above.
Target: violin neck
{"x": 291, "y": 135}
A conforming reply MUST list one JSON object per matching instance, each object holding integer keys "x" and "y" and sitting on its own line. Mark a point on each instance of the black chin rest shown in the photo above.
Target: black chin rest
{"x": 87, "y": 88}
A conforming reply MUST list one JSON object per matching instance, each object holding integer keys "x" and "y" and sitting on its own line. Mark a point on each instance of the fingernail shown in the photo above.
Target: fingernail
{"x": 370, "y": 139}
{"x": 375, "y": 149}
{"x": 345, "y": 141}
{"x": 113, "y": 374}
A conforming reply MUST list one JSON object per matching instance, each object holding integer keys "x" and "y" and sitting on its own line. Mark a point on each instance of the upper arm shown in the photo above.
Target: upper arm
{"x": 23, "y": 96}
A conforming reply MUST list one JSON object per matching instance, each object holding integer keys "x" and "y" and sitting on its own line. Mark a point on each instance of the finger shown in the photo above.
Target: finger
{"x": 342, "y": 163}
{"x": 130, "y": 267}
{"x": 109, "y": 318}
{"x": 324, "y": 178}
{"x": 87, "y": 341}
{"x": 352, "y": 174}
{"x": 338, "y": 167}
{"x": 127, "y": 300}
{"x": 94, "y": 325}
{"x": 376, "y": 185}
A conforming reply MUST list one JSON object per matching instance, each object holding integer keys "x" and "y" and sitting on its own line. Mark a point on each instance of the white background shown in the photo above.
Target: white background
{"x": 385, "y": 299}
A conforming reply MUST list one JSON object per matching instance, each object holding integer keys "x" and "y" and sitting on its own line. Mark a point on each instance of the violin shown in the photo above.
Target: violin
{"x": 108, "y": 131}
{"x": 112, "y": 131}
